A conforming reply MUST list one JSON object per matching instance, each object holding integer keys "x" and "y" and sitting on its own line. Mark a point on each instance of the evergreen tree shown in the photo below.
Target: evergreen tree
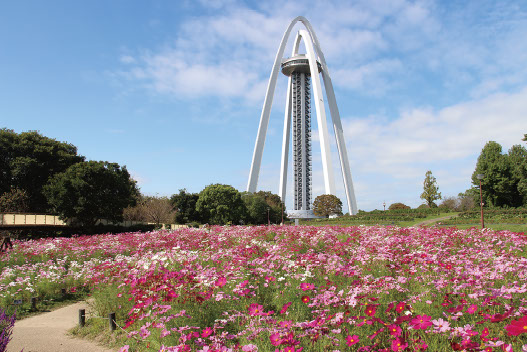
{"x": 430, "y": 189}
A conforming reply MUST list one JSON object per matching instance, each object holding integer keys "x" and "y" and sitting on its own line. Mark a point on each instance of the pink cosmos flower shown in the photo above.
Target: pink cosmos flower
{"x": 255, "y": 309}
{"x": 292, "y": 349}
{"x": 124, "y": 348}
{"x": 398, "y": 345}
{"x": 286, "y": 323}
{"x": 250, "y": 348}
{"x": 206, "y": 332}
{"x": 517, "y": 327}
{"x": 351, "y": 340}
{"x": 304, "y": 286}
{"x": 305, "y": 299}
{"x": 441, "y": 325}
{"x": 472, "y": 309}
{"x": 221, "y": 282}
{"x": 284, "y": 308}
{"x": 399, "y": 307}
{"x": 394, "y": 330}
{"x": 275, "y": 339}
{"x": 144, "y": 332}
{"x": 421, "y": 322}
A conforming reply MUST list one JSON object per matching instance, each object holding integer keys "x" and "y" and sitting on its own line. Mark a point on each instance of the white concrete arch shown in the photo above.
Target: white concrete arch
{"x": 313, "y": 50}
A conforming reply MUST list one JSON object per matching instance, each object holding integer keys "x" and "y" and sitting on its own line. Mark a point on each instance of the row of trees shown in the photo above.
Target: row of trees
{"x": 503, "y": 182}
{"x": 41, "y": 174}
{"x": 223, "y": 204}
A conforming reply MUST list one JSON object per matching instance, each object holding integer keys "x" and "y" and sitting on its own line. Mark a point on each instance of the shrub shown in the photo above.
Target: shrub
{"x": 396, "y": 206}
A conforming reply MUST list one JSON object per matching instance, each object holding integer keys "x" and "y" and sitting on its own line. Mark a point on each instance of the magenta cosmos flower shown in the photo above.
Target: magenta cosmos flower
{"x": 304, "y": 286}
{"x": 351, "y": 340}
{"x": 398, "y": 345}
{"x": 284, "y": 308}
{"x": 394, "y": 330}
{"x": 206, "y": 332}
{"x": 255, "y": 309}
{"x": 275, "y": 339}
{"x": 517, "y": 327}
{"x": 421, "y": 322}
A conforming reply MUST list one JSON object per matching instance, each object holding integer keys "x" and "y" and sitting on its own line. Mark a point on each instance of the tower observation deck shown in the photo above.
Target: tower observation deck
{"x": 297, "y": 68}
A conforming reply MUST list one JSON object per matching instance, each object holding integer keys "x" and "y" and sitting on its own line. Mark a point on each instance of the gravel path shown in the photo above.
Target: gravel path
{"x": 47, "y": 332}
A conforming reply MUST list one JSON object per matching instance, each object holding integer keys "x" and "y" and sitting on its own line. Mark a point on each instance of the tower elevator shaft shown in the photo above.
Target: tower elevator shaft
{"x": 301, "y": 118}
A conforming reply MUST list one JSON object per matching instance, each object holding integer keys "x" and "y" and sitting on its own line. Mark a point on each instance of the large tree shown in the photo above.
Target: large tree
{"x": 153, "y": 209}
{"x": 221, "y": 204}
{"x": 185, "y": 205}
{"x": 28, "y": 160}
{"x": 90, "y": 191}
{"x": 430, "y": 189}
{"x": 498, "y": 185}
{"x": 277, "y": 207}
{"x": 326, "y": 205}
{"x": 257, "y": 208}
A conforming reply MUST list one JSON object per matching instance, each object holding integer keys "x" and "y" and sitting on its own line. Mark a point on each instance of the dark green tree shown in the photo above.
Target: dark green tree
{"x": 518, "y": 162}
{"x": 184, "y": 204}
{"x": 498, "y": 186}
{"x": 326, "y": 205}
{"x": 277, "y": 207}
{"x": 28, "y": 160}
{"x": 430, "y": 190}
{"x": 14, "y": 201}
{"x": 257, "y": 208}
{"x": 221, "y": 204}
{"x": 91, "y": 190}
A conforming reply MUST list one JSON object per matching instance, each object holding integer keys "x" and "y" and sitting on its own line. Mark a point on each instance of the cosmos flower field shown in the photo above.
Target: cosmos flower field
{"x": 290, "y": 289}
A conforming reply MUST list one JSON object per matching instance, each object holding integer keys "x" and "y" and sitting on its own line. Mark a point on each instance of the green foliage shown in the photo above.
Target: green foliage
{"x": 221, "y": 204}
{"x": 185, "y": 205}
{"x": 92, "y": 190}
{"x": 505, "y": 176}
{"x": 257, "y": 208}
{"x": 16, "y": 201}
{"x": 430, "y": 189}
{"x": 398, "y": 206}
{"x": 275, "y": 203}
{"x": 28, "y": 160}
{"x": 326, "y": 205}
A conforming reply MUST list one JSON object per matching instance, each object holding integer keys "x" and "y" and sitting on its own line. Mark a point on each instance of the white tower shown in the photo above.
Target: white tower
{"x": 301, "y": 69}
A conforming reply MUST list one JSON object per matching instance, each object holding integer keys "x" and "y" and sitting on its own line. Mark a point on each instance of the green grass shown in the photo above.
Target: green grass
{"x": 413, "y": 222}
{"x": 497, "y": 227}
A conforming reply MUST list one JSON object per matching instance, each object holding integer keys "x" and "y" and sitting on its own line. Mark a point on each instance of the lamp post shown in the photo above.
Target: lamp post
{"x": 384, "y": 205}
{"x": 480, "y": 177}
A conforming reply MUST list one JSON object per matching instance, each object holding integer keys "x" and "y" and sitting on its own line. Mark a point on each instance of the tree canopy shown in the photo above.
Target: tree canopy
{"x": 91, "y": 190}
{"x": 28, "y": 160}
{"x": 221, "y": 204}
{"x": 326, "y": 205}
{"x": 430, "y": 190}
{"x": 505, "y": 175}
{"x": 185, "y": 205}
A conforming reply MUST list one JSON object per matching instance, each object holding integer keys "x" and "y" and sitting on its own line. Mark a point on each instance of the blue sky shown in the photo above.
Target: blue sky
{"x": 174, "y": 89}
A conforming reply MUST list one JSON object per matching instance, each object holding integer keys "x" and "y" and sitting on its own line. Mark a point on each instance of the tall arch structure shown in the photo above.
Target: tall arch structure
{"x": 298, "y": 69}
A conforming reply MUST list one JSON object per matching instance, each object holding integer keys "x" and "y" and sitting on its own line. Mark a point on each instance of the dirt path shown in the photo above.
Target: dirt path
{"x": 431, "y": 221}
{"x": 47, "y": 332}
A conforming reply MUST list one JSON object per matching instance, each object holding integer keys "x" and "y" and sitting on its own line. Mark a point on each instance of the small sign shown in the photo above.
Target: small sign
{"x": 17, "y": 301}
